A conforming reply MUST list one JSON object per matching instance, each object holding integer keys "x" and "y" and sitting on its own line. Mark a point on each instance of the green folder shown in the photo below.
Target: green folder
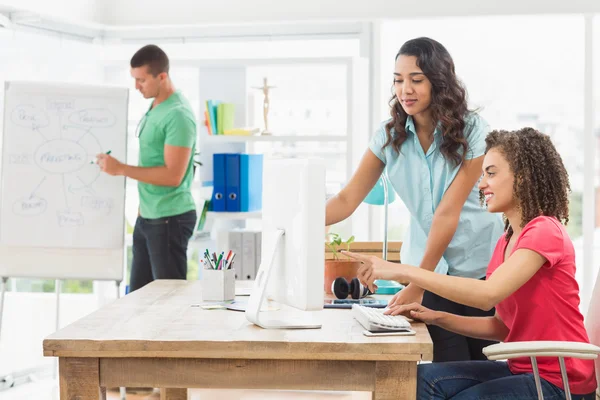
{"x": 225, "y": 117}
{"x": 220, "y": 108}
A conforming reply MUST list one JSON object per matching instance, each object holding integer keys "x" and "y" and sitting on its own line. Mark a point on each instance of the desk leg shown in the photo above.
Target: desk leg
{"x": 79, "y": 378}
{"x": 173, "y": 394}
{"x": 395, "y": 380}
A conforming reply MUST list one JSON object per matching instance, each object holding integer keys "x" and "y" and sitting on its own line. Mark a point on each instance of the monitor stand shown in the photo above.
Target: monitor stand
{"x": 265, "y": 319}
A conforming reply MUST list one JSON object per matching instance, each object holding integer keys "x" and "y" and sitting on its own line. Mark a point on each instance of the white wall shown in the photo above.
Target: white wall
{"x": 70, "y": 10}
{"x": 142, "y": 12}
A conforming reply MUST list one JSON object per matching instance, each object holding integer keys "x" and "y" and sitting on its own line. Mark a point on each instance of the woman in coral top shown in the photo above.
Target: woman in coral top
{"x": 530, "y": 281}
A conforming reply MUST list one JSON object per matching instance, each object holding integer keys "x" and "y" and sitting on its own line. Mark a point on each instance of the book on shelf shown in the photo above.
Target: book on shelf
{"x": 241, "y": 131}
{"x": 207, "y": 122}
{"x": 225, "y": 117}
{"x": 219, "y": 116}
{"x": 219, "y": 119}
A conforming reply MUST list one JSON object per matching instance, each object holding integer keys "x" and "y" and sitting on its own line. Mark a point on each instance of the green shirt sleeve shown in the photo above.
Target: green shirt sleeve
{"x": 180, "y": 129}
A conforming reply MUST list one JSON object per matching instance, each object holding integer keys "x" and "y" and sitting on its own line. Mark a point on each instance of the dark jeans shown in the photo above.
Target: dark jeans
{"x": 489, "y": 380}
{"x": 160, "y": 248}
{"x": 449, "y": 346}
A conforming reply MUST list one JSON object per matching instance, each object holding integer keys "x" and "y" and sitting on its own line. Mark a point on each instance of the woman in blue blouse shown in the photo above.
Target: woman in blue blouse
{"x": 432, "y": 148}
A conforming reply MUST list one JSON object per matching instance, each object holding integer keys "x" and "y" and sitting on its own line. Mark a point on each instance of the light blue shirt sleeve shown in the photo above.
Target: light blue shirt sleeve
{"x": 476, "y": 131}
{"x": 377, "y": 141}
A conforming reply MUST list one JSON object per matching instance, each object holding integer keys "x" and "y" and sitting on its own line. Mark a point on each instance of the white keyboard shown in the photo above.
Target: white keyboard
{"x": 373, "y": 320}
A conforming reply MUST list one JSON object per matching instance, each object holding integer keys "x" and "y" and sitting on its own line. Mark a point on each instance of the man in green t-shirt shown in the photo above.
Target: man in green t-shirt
{"x": 167, "y": 138}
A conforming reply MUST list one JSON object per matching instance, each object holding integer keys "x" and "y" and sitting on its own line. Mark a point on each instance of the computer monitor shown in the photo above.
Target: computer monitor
{"x": 291, "y": 271}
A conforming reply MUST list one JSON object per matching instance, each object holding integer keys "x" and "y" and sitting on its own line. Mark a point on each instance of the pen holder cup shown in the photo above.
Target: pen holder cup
{"x": 218, "y": 285}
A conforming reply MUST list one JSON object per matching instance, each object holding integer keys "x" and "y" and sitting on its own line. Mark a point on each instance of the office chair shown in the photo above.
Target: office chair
{"x": 586, "y": 351}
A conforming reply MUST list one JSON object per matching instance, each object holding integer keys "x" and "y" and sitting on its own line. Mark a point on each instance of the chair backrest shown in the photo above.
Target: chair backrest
{"x": 592, "y": 322}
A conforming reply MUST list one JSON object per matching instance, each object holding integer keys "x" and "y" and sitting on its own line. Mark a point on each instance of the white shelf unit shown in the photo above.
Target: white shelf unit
{"x": 235, "y": 81}
{"x": 229, "y": 81}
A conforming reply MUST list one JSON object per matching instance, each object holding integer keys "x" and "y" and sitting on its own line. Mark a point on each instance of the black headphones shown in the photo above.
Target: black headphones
{"x": 341, "y": 288}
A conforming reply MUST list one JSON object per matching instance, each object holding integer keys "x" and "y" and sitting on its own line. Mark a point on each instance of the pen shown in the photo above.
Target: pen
{"x": 207, "y": 257}
{"x": 208, "y": 262}
{"x": 219, "y": 261}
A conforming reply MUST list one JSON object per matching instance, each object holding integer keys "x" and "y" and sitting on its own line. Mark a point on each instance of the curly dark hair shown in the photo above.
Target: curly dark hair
{"x": 541, "y": 183}
{"x": 448, "y": 99}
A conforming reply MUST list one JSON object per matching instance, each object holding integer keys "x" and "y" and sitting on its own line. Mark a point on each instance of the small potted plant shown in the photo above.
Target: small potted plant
{"x": 338, "y": 266}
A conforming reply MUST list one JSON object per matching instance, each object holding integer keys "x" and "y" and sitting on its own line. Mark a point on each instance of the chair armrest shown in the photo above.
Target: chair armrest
{"x": 504, "y": 351}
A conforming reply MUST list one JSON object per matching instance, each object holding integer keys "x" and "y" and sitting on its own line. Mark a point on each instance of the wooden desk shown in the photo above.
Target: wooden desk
{"x": 158, "y": 336}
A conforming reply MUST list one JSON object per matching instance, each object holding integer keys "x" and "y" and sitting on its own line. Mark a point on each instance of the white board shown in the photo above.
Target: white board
{"x": 60, "y": 216}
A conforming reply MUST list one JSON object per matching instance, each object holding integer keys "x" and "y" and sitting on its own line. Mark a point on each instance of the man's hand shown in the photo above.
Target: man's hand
{"x": 109, "y": 164}
{"x": 418, "y": 312}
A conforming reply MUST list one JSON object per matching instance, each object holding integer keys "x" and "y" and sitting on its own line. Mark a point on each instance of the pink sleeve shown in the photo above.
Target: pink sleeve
{"x": 544, "y": 236}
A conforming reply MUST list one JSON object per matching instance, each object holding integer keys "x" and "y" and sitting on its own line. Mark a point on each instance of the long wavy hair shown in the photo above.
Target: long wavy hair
{"x": 541, "y": 182}
{"x": 448, "y": 99}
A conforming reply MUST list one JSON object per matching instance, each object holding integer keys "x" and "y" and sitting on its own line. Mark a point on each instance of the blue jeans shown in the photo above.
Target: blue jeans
{"x": 160, "y": 248}
{"x": 483, "y": 380}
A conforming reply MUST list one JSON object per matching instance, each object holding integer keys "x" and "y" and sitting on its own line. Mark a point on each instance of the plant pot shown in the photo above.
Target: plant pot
{"x": 339, "y": 268}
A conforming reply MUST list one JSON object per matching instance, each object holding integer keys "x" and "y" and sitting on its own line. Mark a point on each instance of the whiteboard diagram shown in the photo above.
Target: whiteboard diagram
{"x": 53, "y": 192}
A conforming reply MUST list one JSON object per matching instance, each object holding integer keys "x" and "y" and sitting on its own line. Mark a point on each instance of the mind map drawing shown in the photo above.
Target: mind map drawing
{"x": 62, "y": 156}
{"x": 53, "y": 192}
